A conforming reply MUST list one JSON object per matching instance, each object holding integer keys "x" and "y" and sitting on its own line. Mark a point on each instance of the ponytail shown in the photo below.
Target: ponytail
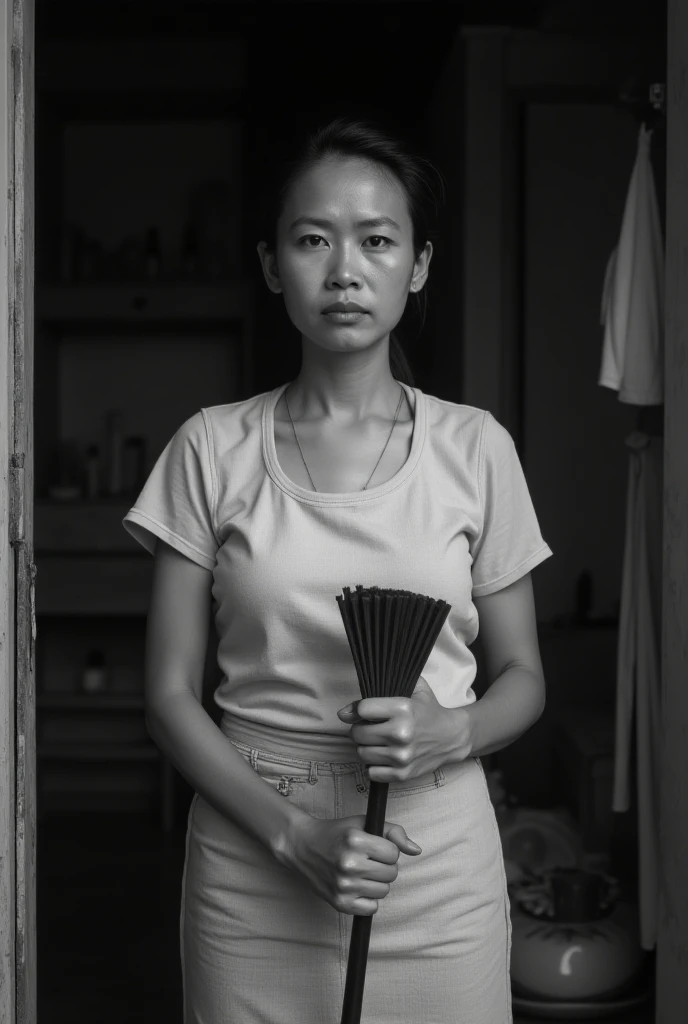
{"x": 398, "y": 362}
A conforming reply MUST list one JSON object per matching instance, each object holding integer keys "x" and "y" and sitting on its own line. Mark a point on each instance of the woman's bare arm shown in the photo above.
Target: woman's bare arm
{"x": 515, "y": 698}
{"x": 176, "y": 639}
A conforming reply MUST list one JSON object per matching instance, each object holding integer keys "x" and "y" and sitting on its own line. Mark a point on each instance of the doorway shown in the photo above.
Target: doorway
{"x": 130, "y": 950}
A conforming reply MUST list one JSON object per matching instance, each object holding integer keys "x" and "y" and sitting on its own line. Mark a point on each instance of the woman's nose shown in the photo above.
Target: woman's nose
{"x": 343, "y": 270}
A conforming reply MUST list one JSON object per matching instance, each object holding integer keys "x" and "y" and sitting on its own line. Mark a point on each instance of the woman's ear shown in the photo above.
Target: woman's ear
{"x": 268, "y": 261}
{"x": 421, "y": 268}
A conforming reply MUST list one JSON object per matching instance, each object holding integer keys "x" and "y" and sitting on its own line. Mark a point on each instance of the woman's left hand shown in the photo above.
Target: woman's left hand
{"x": 404, "y": 737}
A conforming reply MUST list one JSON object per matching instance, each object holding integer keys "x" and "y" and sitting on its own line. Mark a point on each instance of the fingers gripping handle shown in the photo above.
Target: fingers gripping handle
{"x": 360, "y": 933}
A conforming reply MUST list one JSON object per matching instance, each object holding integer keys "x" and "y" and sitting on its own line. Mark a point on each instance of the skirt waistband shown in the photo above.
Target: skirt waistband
{"x": 309, "y": 746}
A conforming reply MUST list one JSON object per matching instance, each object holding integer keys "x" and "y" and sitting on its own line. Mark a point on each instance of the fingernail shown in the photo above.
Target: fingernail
{"x": 415, "y": 846}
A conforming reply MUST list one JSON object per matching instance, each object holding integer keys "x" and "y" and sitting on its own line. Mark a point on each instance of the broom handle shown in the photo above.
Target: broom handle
{"x": 360, "y": 933}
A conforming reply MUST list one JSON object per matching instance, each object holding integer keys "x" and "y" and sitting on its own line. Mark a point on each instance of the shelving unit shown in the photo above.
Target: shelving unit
{"x": 156, "y": 346}
{"x": 88, "y": 702}
{"x": 164, "y": 304}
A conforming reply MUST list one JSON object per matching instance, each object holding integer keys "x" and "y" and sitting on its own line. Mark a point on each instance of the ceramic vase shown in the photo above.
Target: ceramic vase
{"x": 582, "y": 949}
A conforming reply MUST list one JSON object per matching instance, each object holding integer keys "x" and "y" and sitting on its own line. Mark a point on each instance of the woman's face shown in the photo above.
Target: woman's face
{"x": 345, "y": 236}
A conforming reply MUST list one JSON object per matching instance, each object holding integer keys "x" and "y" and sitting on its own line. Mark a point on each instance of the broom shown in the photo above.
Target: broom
{"x": 391, "y": 634}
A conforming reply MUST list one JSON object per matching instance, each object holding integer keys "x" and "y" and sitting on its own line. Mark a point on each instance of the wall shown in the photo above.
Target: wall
{"x": 546, "y": 165}
{"x": 446, "y": 281}
{"x": 545, "y": 181}
{"x": 578, "y": 162}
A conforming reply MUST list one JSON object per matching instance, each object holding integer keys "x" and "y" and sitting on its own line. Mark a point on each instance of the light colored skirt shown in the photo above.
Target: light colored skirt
{"x": 259, "y": 947}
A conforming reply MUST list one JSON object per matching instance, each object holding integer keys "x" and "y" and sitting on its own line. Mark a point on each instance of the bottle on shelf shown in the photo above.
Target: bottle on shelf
{"x": 69, "y": 483}
{"x": 94, "y": 678}
{"x": 92, "y": 471}
{"x": 113, "y": 434}
{"x": 134, "y": 458}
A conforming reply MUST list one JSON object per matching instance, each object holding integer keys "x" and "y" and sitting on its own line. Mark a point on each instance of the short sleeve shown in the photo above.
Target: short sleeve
{"x": 177, "y": 500}
{"x": 509, "y": 543}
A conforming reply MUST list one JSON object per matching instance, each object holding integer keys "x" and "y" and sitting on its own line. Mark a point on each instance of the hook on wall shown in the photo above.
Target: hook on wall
{"x": 658, "y": 96}
{"x": 646, "y": 103}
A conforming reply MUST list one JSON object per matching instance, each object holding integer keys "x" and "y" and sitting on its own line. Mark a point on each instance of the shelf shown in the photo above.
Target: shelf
{"x": 81, "y": 526}
{"x": 90, "y": 702}
{"x": 147, "y": 304}
{"x": 95, "y": 584}
{"x": 97, "y": 752}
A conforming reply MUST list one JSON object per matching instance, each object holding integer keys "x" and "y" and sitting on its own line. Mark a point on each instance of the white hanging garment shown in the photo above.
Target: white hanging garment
{"x": 633, "y": 294}
{"x": 639, "y": 667}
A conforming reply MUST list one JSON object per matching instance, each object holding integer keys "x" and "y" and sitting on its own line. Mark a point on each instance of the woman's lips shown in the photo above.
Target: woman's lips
{"x": 340, "y": 317}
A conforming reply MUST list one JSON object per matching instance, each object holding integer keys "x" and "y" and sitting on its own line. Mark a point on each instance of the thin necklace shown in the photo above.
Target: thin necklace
{"x": 381, "y": 453}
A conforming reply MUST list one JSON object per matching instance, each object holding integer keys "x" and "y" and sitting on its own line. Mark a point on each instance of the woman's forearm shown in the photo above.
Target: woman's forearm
{"x": 211, "y": 764}
{"x": 507, "y": 709}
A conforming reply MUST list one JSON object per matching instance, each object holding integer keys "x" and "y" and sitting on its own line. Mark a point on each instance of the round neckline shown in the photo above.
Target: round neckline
{"x": 339, "y": 497}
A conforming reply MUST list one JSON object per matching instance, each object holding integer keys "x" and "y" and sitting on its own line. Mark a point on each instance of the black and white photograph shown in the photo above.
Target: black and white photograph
{"x": 343, "y": 512}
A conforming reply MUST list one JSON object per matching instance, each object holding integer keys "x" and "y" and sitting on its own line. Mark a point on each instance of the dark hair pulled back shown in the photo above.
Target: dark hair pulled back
{"x": 347, "y": 137}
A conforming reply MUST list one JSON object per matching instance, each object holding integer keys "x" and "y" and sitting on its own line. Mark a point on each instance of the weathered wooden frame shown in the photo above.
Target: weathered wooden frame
{"x": 17, "y": 570}
{"x": 672, "y": 942}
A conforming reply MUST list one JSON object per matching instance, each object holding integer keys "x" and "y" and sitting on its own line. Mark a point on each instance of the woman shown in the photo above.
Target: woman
{"x": 347, "y": 475}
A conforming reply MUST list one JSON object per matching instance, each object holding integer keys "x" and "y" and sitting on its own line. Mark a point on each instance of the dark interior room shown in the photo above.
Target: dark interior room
{"x": 155, "y": 126}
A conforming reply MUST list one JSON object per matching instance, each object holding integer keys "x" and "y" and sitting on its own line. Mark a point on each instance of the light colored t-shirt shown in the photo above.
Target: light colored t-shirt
{"x": 456, "y": 521}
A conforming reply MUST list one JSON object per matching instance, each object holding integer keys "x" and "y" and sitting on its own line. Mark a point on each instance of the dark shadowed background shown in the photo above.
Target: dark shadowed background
{"x": 156, "y": 125}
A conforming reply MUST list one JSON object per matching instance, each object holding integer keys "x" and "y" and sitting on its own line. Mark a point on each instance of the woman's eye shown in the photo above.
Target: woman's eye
{"x": 382, "y": 241}
{"x": 380, "y": 238}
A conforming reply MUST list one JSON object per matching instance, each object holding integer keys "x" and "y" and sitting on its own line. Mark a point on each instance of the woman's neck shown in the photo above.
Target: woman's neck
{"x": 347, "y": 396}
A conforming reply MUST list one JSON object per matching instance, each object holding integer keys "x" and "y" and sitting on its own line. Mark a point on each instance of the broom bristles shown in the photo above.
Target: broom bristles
{"x": 407, "y": 643}
{"x": 439, "y": 618}
{"x": 377, "y": 640}
{"x": 391, "y": 634}
{"x": 402, "y": 642}
{"x": 386, "y": 617}
{"x": 358, "y": 641}
{"x": 345, "y": 611}
{"x": 415, "y": 631}
{"x": 368, "y": 636}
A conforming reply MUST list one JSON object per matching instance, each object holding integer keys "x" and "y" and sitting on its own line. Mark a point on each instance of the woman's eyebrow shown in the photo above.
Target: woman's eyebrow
{"x": 370, "y": 222}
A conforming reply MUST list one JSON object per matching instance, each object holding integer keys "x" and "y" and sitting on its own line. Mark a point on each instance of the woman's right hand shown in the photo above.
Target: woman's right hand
{"x": 345, "y": 865}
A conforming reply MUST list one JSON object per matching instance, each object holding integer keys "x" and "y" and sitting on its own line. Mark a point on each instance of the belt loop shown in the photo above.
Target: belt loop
{"x": 253, "y": 758}
{"x": 313, "y": 772}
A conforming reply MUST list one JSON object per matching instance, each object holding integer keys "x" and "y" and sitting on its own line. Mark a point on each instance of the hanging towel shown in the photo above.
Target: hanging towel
{"x": 639, "y": 666}
{"x": 633, "y": 293}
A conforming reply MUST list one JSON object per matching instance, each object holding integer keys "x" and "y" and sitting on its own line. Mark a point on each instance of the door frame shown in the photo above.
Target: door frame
{"x": 17, "y": 570}
{"x": 672, "y": 943}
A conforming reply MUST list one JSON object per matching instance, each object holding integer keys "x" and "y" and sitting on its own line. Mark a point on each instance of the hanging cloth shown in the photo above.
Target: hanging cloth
{"x": 633, "y": 295}
{"x": 633, "y": 365}
{"x": 639, "y": 666}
